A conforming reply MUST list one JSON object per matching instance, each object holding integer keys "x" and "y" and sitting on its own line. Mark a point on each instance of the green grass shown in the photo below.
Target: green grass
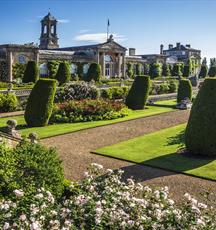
{"x": 159, "y": 149}
{"x": 57, "y": 129}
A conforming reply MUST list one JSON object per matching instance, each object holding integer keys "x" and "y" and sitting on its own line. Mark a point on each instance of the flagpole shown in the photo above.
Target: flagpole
{"x": 107, "y": 29}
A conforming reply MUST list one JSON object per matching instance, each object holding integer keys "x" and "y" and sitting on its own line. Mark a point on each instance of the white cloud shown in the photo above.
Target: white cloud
{"x": 98, "y": 37}
{"x": 63, "y": 20}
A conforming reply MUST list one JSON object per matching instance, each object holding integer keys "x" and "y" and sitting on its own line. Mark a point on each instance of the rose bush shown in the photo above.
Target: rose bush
{"x": 88, "y": 110}
{"x": 105, "y": 202}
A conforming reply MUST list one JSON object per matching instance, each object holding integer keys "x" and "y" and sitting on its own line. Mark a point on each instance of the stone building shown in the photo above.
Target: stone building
{"x": 110, "y": 55}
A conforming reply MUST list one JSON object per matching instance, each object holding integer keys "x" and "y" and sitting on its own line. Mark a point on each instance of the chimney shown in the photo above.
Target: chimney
{"x": 170, "y": 46}
{"x": 132, "y": 51}
{"x": 178, "y": 45}
{"x": 188, "y": 46}
{"x": 161, "y": 49}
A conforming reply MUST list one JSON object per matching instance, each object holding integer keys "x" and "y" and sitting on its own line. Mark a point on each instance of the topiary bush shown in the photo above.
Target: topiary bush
{"x": 76, "y": 91}
{"x": 63, "y": 74}
{"x": 184, "y": 90}
{"x": 31, "y": 73}
{"x": 94, "y": 72}
{"x": 30, "y": 166}
{"x": 138, "y": 94}
{"x": 201, "y": 128}
{"x": 115, "y": 93}
{"x": 40, "y": 103}
{"x": 8, "y": 102}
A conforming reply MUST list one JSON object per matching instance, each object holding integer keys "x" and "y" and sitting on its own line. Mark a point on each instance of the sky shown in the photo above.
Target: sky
{"x": 141, "y": 24}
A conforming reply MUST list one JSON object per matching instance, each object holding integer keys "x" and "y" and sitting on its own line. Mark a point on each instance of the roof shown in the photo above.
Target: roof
{"x": 182, "y": 47}
{"x": 94, "y": 46}
{"x": 49, "y": 17}
{"x": 51, "y": 52}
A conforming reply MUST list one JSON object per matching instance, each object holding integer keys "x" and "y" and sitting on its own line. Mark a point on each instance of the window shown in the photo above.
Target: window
{"x": 108, "y": 58}
{"x": 85, "y": 68}
{"x": 73, "y": 69}
{"x": 21, "y": 59}
{"x": 43, "y": 70}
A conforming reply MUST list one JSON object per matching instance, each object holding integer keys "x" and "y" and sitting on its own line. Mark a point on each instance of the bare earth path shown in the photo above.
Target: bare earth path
{"x": 74, "y": 149}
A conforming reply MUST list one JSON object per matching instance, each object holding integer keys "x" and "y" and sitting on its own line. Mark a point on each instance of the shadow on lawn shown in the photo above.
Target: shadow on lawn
{"x": 168, "y": 164}
{"x": 164, "y": 106}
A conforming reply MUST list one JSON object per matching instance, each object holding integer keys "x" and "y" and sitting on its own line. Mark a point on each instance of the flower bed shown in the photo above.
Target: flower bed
{"x": 88, "y": 110}
{"x": 105, "y": 202}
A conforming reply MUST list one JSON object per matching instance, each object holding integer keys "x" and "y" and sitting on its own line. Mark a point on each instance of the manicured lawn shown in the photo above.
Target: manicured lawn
{"x": 57, "y": 129}
{"x": 159, "y": 149}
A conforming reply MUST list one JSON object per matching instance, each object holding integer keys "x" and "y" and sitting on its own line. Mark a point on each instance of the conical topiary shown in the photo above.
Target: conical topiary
{"x": 184, "y": 90}
{"x": 200, "y": 134}
{"x": 63, "y": 74}
{"x": 31, "y": 73}
{"x": 138, "y": 94}
{"x": 40, "y": 103}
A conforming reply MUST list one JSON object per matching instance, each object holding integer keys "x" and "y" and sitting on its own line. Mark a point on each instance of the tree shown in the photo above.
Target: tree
{"x": 138, "y": 94}
{"x": 165, "y": 70}
{"x": 184, "y": 90}
{"x": 146, "y": 69}
{"x": 40, "y": 102}
{"x": 138, "y": 69}
{"x": 31, "y": 73}
{"x": 63, "y": 74}
{"x": 176, "y": 71}
{"x": 204, "y": 69}
{"x": 187, "y": 71}
{"x": 130, "y": 71}
{"x": 155, "y": 70}
{"x": 94, "y": 72}
{"x": 201, "y": 128}
{"x": 80, "y": 70}
{"x": 212, "y": 69}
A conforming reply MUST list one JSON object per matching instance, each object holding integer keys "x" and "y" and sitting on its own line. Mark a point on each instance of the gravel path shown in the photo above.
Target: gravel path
{"x": 74, "y": 149}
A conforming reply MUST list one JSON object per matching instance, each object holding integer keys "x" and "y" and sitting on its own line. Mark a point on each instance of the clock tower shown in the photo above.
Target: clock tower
{"x": 48, "y": 38}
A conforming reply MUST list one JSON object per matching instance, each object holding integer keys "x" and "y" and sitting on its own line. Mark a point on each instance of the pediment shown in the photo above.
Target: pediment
{"x": 112, "y": 46}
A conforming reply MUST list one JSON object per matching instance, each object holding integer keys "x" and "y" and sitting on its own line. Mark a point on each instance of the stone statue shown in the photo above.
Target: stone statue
{"x": 33, "y": 138}
{"x": 11, "y": 129}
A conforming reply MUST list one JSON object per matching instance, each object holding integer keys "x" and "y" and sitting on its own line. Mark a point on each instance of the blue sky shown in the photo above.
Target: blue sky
{"x": 142, "y": 24}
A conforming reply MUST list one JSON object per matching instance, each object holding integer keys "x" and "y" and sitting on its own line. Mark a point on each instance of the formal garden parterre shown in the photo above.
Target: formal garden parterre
{"x": 34, "y": 192}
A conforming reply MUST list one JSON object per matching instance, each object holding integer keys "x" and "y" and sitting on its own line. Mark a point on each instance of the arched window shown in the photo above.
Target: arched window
{"x": 22, "y": 59}
{"x": 73, "y": 68}
{"x": 85, "y": 68}
{"x": 45, "y": 29}
{"x": 43, "y": 70}
{"x": 108, "y": 58}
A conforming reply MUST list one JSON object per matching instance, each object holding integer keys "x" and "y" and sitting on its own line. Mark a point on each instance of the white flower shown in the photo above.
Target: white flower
{"x": 200, "y": 222}
{"x": 109, "y": 171}
{"x": 6, "y": 226}
{"x": 35, "y": 226}
{"x": 97, "y": 166}
{"x": 39, "y": 196}
{"x": 22, "y": 217}
{"x": 201, "y": 205}
{"x": 188, "y": 196}
{"x": 18, "y": 193}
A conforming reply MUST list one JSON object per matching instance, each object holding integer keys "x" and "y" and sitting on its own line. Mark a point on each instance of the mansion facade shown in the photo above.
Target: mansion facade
{"x": 110, "y": 55}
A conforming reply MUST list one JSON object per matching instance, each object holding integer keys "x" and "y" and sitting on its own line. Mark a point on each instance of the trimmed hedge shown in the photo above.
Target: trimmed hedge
{"x": 138, "y": 94}
{"x": 184, "y": 90}
{"x": 63, "y": 74}
{"x": 31, "y": 73}
{"x": 8, "y": 102}
{"x": 201, "y": 128}
{"x": 94, "y": 72}
{"x": 115, "y": 93}
{"x": 40, "y": 103}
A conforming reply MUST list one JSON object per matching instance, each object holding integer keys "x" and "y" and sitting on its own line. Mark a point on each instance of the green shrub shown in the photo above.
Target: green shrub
{"x": 184, "y": 90}
{"x": 138, "y": 94}
{"x": 40, "y": 103}
{"x": 18, "y": 70}
{"x": 94, "y": 72}
{"x": 212, "y": 71}
{"x": 201, "y": 128}
{"x": 8, "y": 102}
{"x": 115, "y": 93}
{"x": 172, "y": 87}
{"x": 130, "y": 71}
{"x": 63, "y": 74}
{"x": 31, "y": 73}
{"x": 163, "y": 88}
{"x": 30, "y": 166}
{"x": 166, "y": 70}
{"x": 52, "y": 68}
{"x": 155, "y": 70}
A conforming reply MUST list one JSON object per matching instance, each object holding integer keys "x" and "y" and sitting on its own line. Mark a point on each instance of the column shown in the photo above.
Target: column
{"x": 103, "y": 65}
{"x": 98, "y": 57}
{"x": 119, "y": 65}
{"x": 10, "y": 69}
{"x": 37, "y": 56}
{"x": 123, "y": 65}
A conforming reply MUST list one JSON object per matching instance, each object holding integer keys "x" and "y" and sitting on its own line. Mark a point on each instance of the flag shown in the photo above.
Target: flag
{"x": 108, "y": 23}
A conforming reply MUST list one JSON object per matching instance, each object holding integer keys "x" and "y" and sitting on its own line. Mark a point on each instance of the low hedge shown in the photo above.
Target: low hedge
{"x": 40, "y": 103}
{"x": 139, "y": 92}
{"x": 115, "y": 93}
{"x": 8, "y": 102}
{"x": 184, "y": 90}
